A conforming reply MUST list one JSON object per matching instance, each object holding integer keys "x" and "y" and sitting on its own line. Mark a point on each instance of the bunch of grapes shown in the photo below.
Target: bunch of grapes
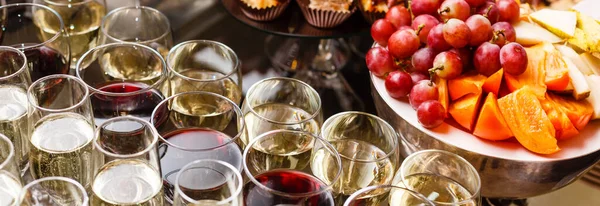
{"x": 443, "y": 38}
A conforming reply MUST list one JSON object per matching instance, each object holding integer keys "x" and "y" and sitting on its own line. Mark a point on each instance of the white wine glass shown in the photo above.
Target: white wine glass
{"x": 208, "y": 182}
{"x": 364, "y": 197}
{"x": 53, "y": 191}
{"x": 10, "y": 177}
{"x": 60, "y": 128}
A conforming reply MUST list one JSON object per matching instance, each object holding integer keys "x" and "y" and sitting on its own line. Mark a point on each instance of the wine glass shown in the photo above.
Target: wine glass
{"x": 126, "y": 79}
{"x": 81, "y": 19}
{"x": 46, "y": 45}
{"x": 51, "y": 191}
{"x": 144, "y": 25}
{"x": 126, "y": 155}
{"x": 10, "y": 178}
{"x": 60, "y": 128}
{"x": 193, "y": 126}
{"x": 443, "y": 177}
{"x": 368, "y": 147}
{"x": 203, "y": 65}
{"x": 275, "y": 162}
{"x": 397, "y": 196}
{"x": 281, "y": 103}
{"x": 208, "y": 182}
{"x": 14, "y": 81}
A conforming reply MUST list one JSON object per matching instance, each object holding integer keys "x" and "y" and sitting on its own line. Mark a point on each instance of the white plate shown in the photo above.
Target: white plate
{"x": 586, "y": 142}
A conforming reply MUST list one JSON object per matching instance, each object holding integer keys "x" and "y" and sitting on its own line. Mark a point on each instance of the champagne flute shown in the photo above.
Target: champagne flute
{"x": 281, "y": 103}
{"x": 53, "y": 191}
{"x": 364, "y": 197}
{"x": 46, "y": 46}
{"x": 443, "y": 177}
{"x": 61, "y": 128}
{"x": 208, "y": 182}
{"x": 368, "y": 147}
{"x": 126, "y": 79}
{"x": 14, "y": 81}
{"x": 203, "y": 65}
{"x": 81, "y": 18}
{"x": 140, "y": 24}
{"x": 193, "y": 126}
{"x": 10, "y": 178}
{"x": 271, "y": 162}
{"x": 126, "y": 154}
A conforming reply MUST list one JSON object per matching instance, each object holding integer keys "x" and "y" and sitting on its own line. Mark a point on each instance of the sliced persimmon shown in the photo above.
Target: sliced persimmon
{"x": 465, "y": 110}
{"x": 563, "y": 127}
{"x": 492, "y": 83}
{"x": 490, "y": 123}
{"x": 579, "y": 112}
{"x": 442, "y": 86}
{"x": 527, "y": 120}
{"x": 557, "y": 72}
{"x": 465, "y": 84}
{"x": 535, "y": 74}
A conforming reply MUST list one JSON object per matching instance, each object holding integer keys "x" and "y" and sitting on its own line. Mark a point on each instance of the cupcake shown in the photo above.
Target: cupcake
{"x": 326, "y": 13}
{"x": 263, "y": 10}
{"x": 374, "y": 9}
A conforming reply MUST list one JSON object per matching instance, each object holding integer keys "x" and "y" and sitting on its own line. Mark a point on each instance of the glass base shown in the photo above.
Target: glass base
{"x": 503, "y": 202}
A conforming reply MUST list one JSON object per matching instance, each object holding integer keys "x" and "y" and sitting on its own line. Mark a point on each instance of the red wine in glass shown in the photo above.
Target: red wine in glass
{"x": 290, "y": 182}
{"x": 44, "y": 61}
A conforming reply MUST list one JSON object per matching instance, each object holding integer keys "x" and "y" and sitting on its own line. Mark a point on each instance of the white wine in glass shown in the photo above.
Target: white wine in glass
{"x": 279, "y": 116}
{"x": 9, "y": 188}
{"x": 13, "y": 118}
{"x": 435, "y": 187}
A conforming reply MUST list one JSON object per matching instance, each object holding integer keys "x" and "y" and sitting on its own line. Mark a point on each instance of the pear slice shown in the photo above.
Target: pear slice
{"x": 571, "y": 54}
{"x": 529, "y": 34}
{"x": 561, "y": 23}
{"x": 594, "y": 98}
{"x": 589, "y": 8}
{"x": 592, "y": 62}
{"x": 581, "y": 89}
{"x": 579, "y": 40}
{"x": 591, "y": 29}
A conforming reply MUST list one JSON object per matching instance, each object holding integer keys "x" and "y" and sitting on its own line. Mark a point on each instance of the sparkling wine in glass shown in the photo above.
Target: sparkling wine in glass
{"x": 10, "y": 178}
{"x": 208, "y": 182}
{"x": 51, "y": 191}
{"x": 372, "y": 196}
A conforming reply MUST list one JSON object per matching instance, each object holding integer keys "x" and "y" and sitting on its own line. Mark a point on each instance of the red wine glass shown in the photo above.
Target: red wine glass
{"x": 208, "y": 182}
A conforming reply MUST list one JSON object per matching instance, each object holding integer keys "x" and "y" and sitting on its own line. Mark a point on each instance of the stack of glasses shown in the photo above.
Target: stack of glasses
{"x": 145, "y": 123}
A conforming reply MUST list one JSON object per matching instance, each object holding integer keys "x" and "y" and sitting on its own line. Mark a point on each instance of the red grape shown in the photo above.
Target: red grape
{"x": 431, "y": 114}
{"x": 458, "y": 9}
{"x": 456, "y": 33}
{"x": 418, "y": 7}
{"x": 398, "y": 84}
{"x": 404, "y": 43}
{"x": 447, "y": 65}
{"x": 436, "y": 40}
{"x": 465, "y": 55}
{"x": 503, "y": 33}
{"x": 513, "y": 58}
{"x": 381, "y": 30}
{"x": 490, "y": 11}
{"x": 487, "y": 59}
{"x": 418, "y": 76}
{"x": 509, "y": 10}
{"x": 422, "y": 60}
{"x": 423, "y": 24}
{"x": 379, "y": 61}
{"x": 404, "y": 27}
{"x": 399, "y": 16}
{"x": 475, "y": 3}
{"x": 422, "y": 91}
{"x": 481, "y": 29}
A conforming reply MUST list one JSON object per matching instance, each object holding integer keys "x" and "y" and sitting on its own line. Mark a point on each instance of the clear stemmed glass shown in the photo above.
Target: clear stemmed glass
{"x": 47, "y": 50}
{"x": 81, "y": 19}
{"x": 281, "y": 103}
{"x": 197, "y": 125}
{"x": 444, "y": 177}
{"x": 14, "y": 81}
{"x": 275, "y": 162}
{"x": 203, "y": 65}
{"x": 126, "y": 79}
{"x": 10, "y": 178}
{"x": 144, "y": 25}
{"x": 394, "y": 196}
{"x": 368, "y": 147}
{"x": 208, "y": 182}
{"x": 125, "y": 151}
{"x": 61, "y": 128}
{"x": 51, "y": 191}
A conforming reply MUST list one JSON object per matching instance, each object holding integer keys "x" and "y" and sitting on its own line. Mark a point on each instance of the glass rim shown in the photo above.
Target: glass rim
{"x": 11, "y": 151}
{"x": 208, "y": 42}
{"x": 379, "y": 119}
{"x": 237, "y": 110}
{"x": 161, "y": 79}
{"x": 311, "y": 89}
{"x": 67, "y": 4}
{"x": 56, "y": 36}
{"x": 20, "y": 70}
{"x": 233, "y": 196}
{"x": 326, "y": 144}
{"x": 120, "y": 9}
{"x": 443, "y": 152}
{"x": 83, "y": 100}
{"x": 26, "y": 188}
{"x": 125, "y": 156}
{"x": 355, "y": 195}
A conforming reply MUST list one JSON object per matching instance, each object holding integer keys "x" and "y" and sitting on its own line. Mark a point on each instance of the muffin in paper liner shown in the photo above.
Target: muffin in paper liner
{"x": 324, "y": 18}
{"x": 264, "y": 14}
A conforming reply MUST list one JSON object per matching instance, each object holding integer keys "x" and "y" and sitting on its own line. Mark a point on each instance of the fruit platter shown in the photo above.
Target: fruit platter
{"x": 513, "y": 89}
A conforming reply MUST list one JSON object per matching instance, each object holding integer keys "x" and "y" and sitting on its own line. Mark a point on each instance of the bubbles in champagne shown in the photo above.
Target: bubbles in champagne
{"x": 127, "y": 181}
